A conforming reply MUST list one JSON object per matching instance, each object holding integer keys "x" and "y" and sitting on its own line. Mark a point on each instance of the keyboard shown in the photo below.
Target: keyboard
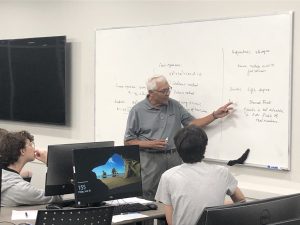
{"x": 64, "y": 203}
{"x": 132, "y": 207}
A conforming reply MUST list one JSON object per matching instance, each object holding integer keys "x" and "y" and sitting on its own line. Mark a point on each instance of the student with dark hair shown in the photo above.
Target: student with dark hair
{"x": 185, "y": 190}
{"x": 17, "y": 149}
{"x": 2, "y": 132}
{"x": 25, "y": 174}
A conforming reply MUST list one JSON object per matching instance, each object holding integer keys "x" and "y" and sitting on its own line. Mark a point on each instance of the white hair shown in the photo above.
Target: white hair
{"x": 152, "y": 82}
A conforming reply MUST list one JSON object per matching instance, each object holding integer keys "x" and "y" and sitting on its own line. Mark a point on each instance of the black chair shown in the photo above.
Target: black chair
{"x": 0, "y": 181}
{"x": 76, "y": 216}
{"x": 295, "y": 221}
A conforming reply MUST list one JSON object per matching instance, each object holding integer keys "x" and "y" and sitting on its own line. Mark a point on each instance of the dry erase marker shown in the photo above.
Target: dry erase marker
{"x": 26, "y": 214}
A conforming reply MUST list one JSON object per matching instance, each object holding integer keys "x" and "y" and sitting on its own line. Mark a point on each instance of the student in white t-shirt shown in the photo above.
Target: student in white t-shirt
{"x": 185, "y": 190}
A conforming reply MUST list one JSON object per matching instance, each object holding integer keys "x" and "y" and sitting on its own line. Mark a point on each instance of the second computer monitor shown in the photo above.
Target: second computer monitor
{"x": 106, "y": 173}
{"x": 295, "y": 221}
{"x": 260, "y": 212}
{"x": 59, "y": 177}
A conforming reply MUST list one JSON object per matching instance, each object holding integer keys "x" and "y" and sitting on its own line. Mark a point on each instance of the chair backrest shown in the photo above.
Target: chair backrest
{"x": 260, "y": 212}
{"x": 76, "y": 216}
{"x": 0, "y": 182}
{"x": 295, "y": 221}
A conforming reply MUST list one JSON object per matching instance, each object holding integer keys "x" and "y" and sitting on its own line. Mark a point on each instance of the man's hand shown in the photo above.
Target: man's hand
{"x": 223, "y": 111}
{"x": 158, "y": 144}
{"x": 150, "y": 144}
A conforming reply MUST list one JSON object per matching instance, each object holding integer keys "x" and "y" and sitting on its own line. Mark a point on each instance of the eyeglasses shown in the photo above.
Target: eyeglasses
{"x": 165, "y": 91}
{"x": 31, "y": 144}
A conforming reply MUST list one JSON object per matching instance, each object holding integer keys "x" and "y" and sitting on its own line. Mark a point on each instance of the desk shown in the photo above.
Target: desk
{"x": 5, "y": 214}
{"x": 255, "y": 187}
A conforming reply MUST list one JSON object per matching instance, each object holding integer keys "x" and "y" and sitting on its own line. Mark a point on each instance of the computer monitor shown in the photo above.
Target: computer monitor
{"x": 106, "y": 173}
{"x": 295, "y": 221}
{"x": 259, "y": 212}
{"x": 59, "y": 177}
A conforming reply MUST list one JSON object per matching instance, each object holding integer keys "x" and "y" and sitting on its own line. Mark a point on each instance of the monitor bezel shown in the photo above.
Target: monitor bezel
{"x": 266, "y": 214}
{"x": 81, "y": 201}
{"x": 66, "y": 188}
{"x": 61, "y": 112}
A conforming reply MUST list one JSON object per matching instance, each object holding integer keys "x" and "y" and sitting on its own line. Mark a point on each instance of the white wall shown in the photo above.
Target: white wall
{"x": 78, "y": 20}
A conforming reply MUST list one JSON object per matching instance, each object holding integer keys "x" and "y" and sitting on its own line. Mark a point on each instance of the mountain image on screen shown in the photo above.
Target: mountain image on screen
{"x": 118, "y": 171}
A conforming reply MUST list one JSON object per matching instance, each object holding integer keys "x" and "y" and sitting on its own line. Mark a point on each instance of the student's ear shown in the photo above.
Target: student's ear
{"x": 22, "y": 151}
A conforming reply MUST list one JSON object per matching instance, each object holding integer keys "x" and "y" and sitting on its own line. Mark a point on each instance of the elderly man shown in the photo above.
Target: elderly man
{"x": 152, "y": 124}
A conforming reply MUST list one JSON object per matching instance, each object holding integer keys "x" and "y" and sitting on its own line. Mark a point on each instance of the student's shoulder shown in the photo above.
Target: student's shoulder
{"x": 218, "y": 168}
{"x": 172, "y": 171}
{"x": 9, "y": 175}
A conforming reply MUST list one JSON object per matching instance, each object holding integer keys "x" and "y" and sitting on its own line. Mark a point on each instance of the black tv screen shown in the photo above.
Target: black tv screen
{"x": 32, "y": 80}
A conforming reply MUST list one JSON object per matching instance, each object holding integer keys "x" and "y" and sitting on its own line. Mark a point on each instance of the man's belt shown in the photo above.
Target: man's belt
{"x": 154, "y": 151}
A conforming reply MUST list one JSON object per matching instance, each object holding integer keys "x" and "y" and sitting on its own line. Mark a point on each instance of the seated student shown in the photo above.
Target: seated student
{"x": 187, "y": 189}
{"x": 17, "y": 149}
{"x": 25, "y": 174}
{"x": 2, "y": 132}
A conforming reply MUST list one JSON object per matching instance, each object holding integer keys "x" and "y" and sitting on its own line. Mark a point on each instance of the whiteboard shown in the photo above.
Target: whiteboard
{"x": 208, "y": 63}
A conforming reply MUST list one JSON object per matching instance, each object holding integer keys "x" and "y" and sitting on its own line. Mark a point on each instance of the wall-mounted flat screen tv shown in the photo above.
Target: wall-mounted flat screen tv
{"x": 32, "y": 80}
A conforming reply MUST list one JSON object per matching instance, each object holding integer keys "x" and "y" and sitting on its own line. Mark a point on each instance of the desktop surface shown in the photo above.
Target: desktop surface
{"x": 6, "y": 212}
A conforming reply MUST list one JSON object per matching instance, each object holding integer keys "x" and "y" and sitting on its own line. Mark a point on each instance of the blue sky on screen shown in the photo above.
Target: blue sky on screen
{"x": 115, "y": 161}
